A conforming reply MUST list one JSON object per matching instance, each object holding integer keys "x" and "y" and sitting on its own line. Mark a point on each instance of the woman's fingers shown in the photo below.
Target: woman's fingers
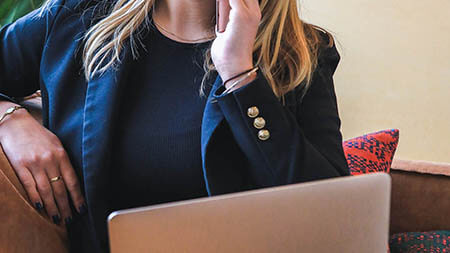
{"x": 29, "y": 185}
{"x": 71, "y": 182}
{"x": 252, "y": 4}
{"x": 224, "y": 14}
{"x": 247, "y": 10}
{"x": 62, "y": 200}
{"x": 237, "y": 4}
{"x": 46, "y": 192}
{"x": 54, "y": 194}
{"x": 50, "y": 162}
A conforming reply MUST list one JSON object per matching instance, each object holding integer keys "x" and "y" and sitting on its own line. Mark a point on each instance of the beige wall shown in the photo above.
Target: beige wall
{"x": 395, "y": 69}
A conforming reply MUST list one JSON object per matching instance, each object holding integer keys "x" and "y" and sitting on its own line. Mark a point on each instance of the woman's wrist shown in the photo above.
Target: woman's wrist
{"x": 230, "y": 73}
{"x": 17, "y": 114}
{"x": 233, "y": 67}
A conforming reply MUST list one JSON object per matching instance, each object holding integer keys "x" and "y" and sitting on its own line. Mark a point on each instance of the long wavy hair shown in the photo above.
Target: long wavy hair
{"x": 286, "y": 48}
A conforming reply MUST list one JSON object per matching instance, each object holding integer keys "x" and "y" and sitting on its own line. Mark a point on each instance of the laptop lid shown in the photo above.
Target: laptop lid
{"x": 346, "y": 214}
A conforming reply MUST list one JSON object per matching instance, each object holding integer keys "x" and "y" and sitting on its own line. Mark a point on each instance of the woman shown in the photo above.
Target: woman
{"x": 125, "y": 125}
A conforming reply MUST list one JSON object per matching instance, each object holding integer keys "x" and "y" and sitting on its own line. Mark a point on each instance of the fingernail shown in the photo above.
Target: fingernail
{"x": 68, "y": 220}
{"x": 38, "y": 205}
{"x": 82, "y": 209}
{"x": 56, "y": 219}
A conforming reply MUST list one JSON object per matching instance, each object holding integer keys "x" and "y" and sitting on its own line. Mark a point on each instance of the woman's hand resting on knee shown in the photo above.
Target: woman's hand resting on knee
{"x": 37, "y": 156}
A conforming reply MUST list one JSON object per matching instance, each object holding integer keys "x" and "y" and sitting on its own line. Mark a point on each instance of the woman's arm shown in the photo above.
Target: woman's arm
{"x": 303, "y": 146}
{"x": 21, "y": 46}
{"x": 35, "y": 153}
{"x": 292, "y": 146}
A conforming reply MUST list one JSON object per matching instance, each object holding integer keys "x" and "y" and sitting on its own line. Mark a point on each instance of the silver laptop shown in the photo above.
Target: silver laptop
{"x": 347, "y": 214}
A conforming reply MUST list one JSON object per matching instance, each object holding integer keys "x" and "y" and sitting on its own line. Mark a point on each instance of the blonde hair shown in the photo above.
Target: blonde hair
{"x": 285, "y": 49}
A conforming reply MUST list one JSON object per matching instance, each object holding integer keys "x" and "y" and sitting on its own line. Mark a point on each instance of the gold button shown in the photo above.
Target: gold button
{"x": 259, "y": 122}
{"x": 253, "y": 111}
{"x": 263, "y": 134}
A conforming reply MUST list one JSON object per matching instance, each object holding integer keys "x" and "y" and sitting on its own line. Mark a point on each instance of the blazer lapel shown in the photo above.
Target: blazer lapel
{"x": 212, "y": 116}
{"x": 102, "y": 97}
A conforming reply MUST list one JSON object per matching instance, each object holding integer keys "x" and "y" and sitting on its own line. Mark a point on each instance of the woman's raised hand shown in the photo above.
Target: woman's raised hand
{"x": 232, "y": 50}
{"x": 37, "y": 155}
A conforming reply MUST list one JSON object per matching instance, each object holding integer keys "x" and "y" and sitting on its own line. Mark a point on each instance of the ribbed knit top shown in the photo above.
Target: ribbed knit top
{"x": 162, "y": 163}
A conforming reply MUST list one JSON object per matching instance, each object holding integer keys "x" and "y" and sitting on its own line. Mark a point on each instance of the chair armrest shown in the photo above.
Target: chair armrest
{"x": 8, "y": 172}
{"x": 420, "y": 198}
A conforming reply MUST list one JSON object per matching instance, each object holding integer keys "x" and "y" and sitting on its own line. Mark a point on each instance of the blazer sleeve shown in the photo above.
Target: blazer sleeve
{"x": 302, "y": 146}
{"x": 21, "y": 46}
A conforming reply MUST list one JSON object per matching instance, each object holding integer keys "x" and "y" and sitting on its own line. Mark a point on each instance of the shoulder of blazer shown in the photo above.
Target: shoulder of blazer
{"x": 87, "y": 11}
{"x": 327, "y": 61}
{"x": 327, "y": 55}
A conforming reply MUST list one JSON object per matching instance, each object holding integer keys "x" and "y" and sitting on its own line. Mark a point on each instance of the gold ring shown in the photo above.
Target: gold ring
{"x": 54, "y": 179}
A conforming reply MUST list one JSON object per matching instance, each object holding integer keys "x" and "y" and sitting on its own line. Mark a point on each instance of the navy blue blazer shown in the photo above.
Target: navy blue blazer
{"x": 44, "y": 52}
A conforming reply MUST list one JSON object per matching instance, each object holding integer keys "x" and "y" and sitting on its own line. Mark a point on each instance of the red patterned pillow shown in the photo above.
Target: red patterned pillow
{"x": 371, "y": 152}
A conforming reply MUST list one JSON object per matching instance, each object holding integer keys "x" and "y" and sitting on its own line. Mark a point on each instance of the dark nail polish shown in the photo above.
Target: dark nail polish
{"x": 68, "y": 220}
{"x": 38, "y": 206}
{"x": 83, "y": 209}
{"x": 56, "y": 219}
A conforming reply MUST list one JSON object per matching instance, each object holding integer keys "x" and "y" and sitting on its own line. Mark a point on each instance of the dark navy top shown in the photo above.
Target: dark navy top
{"x": 156, "y": 151}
